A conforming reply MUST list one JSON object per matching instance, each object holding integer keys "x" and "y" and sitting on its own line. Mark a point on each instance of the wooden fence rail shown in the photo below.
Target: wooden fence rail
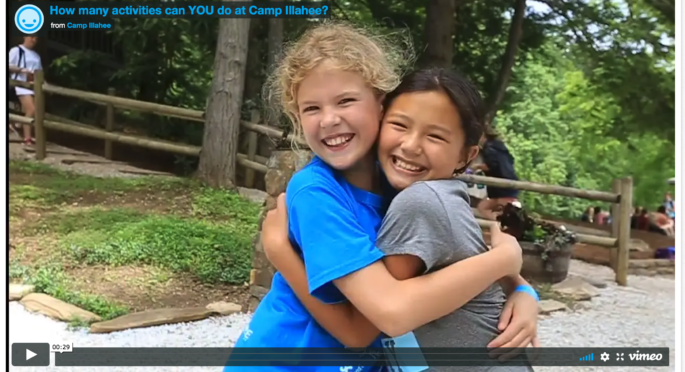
{"x": 620, "y": 197}
{"x": 251, "y": 161}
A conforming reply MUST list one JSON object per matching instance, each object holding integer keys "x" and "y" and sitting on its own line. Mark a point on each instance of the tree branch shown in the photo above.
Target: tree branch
{"x": 508, "y": 60}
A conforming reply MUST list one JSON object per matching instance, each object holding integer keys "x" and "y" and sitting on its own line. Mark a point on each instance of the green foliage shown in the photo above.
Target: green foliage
{"x": 212, "y": 242}
{"x": 212, "y": 252}
{"x": 592, "y": 96}
{"x": 52, "y": 280}
{"x": 557, "y": 126}
{"x": 226, "y": 206}
{"x": 51, "y": 185}
{"x": 626, "y": 49}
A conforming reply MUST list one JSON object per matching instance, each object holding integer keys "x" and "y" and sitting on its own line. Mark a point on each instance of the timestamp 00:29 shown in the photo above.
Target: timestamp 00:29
{"x": 61, "y": 347}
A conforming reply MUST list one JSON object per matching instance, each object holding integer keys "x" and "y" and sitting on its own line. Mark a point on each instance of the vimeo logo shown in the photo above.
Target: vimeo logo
{"x": 29, "y": 19}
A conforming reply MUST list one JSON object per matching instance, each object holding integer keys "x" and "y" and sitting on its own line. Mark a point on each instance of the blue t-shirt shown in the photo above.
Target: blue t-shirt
{"x": 333, "y": 225}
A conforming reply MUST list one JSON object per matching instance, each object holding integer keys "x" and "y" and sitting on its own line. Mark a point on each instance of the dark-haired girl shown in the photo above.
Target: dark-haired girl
{"x": 430, "y": 133}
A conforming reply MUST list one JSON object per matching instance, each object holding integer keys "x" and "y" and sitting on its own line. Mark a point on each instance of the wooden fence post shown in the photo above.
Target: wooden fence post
{"x": 251, "y": 149}
{"x": 39, "y": 115}
{"x": 615, "y": 225}
{"x": 625, "y": 207}
{"x": 109, "y": 125}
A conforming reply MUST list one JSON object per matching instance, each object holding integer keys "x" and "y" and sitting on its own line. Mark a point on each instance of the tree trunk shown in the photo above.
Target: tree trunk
{"x": 220, "y": 143}
{"x": 516, "y": 29}
{"x": 255, "y": 60}
{"x": 440, "y": 20}
{"x": 275, "y": 40}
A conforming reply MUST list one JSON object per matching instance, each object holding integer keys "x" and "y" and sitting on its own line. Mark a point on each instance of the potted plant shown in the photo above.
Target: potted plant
{"x": 546, "y": 247}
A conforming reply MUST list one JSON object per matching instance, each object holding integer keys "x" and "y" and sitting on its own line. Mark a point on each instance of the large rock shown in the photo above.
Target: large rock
{"x": 639, "y": 245}
{"x": 224, "y": 308}
{"x": 17, "y": 291}
{"x": 548, "y": 306}
{"x": 151, "y": 318}
{"x": 281, "y": 166}
{"x": 576, "y": 289}
{"x": 597, "y": 283}
{"x": 254, "y": 195}
{"x": 56, "y": 309}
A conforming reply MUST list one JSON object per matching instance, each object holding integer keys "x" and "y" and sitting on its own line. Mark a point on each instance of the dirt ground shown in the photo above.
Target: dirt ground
{"x": 138, "y": 287}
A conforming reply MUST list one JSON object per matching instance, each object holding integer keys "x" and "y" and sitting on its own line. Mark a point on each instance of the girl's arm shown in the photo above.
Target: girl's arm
{"x": 509, "y": 283}
{"x": 398, "y": 307}
{"x": 395, "y": 307}
{"x": 353, "y": 329}
{"x": 341, "y": 320}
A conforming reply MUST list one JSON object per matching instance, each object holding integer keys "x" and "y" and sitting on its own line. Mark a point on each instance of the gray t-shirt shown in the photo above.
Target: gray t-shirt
{"x": 433, "y": 220}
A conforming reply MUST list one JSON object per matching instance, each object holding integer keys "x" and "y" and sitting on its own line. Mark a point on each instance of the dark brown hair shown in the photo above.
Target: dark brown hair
{"x": 462, "y": 92}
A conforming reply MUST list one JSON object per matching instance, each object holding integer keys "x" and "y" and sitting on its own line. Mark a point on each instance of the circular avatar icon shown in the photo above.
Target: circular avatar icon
{"x": 29, "y": 19}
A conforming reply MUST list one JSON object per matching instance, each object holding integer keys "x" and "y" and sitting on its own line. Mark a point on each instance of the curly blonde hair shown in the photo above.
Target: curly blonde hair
{"x": 380, "y": 59}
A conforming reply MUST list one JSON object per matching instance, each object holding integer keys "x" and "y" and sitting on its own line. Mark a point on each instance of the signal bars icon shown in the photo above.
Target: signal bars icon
{"x": 588, "y": 357}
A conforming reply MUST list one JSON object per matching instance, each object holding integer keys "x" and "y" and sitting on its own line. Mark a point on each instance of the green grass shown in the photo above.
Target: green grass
{"x": 222, "y": 205}
{"x": 214, "y": 244}
{"x": 51, "y": 279}
{"x": 52, "y": 186}
{"x": 212, "y": 240}
{"x": 212, "y": 252}
{"x": 29, "y": 196}
{"x": 546, "y": 292}
{"x": 31, "y": 167}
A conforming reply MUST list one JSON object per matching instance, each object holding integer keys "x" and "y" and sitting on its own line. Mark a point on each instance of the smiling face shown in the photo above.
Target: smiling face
{"x": 422, "y": 139}
{"x": 29, "y": 18}
{"x": 339, "y": 114}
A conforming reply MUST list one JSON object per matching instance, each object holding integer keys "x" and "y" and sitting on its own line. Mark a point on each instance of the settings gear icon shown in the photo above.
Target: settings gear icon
{"x": 605, "y": 357}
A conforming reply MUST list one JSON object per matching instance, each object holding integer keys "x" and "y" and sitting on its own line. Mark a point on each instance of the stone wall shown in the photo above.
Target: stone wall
{"x": 282, "y": 165}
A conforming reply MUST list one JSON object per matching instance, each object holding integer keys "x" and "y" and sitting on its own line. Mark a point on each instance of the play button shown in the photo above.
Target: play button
{"x": 31, "y": 355}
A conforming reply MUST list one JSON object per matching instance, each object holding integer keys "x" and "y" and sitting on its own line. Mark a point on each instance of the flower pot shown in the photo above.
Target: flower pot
{"x": 552, "y": 270}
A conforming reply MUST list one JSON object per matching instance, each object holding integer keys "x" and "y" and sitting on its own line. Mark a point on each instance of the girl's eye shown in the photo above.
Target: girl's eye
{"x": 398, "y": 125}
{"x": 435, "y": 136}
{"x": 309, "y": 108}
{"x": 346, "y": 100}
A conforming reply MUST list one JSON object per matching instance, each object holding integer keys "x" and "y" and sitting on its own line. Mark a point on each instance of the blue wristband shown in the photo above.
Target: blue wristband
{"x": 527, "y": 289}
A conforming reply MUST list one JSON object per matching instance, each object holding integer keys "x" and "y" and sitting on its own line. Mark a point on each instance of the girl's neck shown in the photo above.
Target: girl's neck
{"x": 364, "y": 174}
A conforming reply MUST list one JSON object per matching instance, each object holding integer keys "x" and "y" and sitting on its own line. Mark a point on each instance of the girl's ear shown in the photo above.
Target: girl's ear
{"x": 472, "y": 154}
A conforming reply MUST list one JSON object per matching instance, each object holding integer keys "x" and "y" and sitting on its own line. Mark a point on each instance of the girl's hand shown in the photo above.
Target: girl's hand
{"x": 519, "y": 321}
{"x": 274, "y": 234}
{"x": 508, "y": 245}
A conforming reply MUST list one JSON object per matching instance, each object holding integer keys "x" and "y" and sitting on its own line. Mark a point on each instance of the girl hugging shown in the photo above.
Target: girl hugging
{"x": 353, "y": 271}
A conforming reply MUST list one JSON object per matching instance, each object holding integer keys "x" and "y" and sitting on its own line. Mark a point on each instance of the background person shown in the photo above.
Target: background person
{"x": 669, "y": 204}
{"x": 588, "y": 215}
{"x": 662, "y": 221}
{"x": 24, "y": 61}
{"x": 499, "y": 163}
{"x": 600, "y": 216}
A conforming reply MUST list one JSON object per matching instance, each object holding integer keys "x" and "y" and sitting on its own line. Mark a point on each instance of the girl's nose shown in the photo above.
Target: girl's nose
{"x": 411, "y": 145}
{"x": 330, "y": 119}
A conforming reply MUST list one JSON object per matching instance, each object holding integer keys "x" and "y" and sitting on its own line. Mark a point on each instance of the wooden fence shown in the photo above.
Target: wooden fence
{"x": 42, "y": 121}
{"x": 621, "y": 197}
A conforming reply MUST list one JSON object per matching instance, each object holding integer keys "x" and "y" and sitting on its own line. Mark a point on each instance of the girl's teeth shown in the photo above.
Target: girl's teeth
{"x": 337, "y": 140}
{"x": 406, "y": 166}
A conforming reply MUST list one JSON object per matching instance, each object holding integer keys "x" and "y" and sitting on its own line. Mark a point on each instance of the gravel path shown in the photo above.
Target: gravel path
{"x": 642, "y": 314}
{"x": 639, "y": 315}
